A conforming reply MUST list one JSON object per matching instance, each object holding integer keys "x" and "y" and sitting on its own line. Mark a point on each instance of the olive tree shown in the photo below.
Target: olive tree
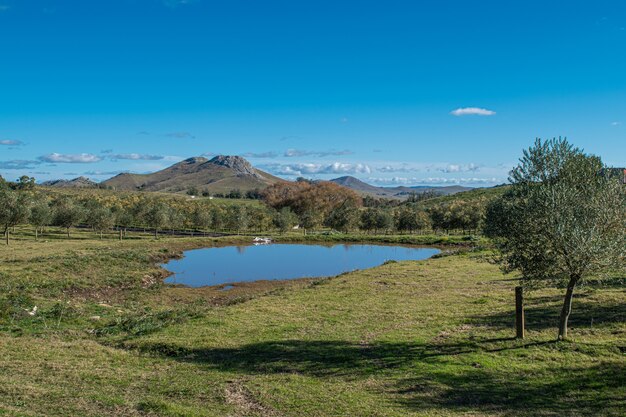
{"x": 201, "y": 217}
{"x": 124, "y": 219}
{"x": 40, "y": 216}
{"x": 411, "y": 219}
{"x": 561, "y": 221}
{"x": 100, "y": 218}
{"x": 14, "y": 209}
{"x": 67, "y": 213}
{"x": 157, "y": 216}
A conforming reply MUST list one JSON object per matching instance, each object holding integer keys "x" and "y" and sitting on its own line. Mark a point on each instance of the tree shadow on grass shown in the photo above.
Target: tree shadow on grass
{"x": 541, "y": 315}
{"x": 569, "y": 391}
{"x": 438, "y": 380}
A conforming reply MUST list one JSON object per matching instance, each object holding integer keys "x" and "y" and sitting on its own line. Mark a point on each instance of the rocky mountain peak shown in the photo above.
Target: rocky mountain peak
{"x": 236, "y": 163}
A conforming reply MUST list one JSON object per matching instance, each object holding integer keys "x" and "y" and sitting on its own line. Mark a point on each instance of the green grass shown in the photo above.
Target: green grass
{"x": 429, "y": 338}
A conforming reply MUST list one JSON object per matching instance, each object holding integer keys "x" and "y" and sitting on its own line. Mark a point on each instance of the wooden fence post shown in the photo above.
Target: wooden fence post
{"x": 519, "y": 312}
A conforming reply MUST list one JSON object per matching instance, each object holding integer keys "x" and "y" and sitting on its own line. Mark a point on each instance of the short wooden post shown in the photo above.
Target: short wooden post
{"x": 519, "y": 312}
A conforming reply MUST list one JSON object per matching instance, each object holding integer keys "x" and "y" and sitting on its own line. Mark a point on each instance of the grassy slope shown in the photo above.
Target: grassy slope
{"x": 410, "y": 338}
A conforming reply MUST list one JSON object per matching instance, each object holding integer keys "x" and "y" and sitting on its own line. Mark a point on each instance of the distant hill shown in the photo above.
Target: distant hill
{"x": 364, "y": 188}
{"x": 80, "y": 182}
{"x": 218, "y": 175}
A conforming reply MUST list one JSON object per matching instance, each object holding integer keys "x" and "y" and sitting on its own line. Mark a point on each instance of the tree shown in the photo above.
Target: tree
{"x": 411, "y": 219}
{"x": 67, "y": 213}
{"x": 40, "y": 216}
{"x": 201, "y": 217}
{"x": 561, "y": 221}
{"x": 368, "y": 219}
{"x": 157, "y": 216}
{"x": 25, "y": 183}
{"x": 237, "y": 218}
{"x": 384, "y": 220}
{"x": 343, "y": 218}
{"x": 260, "y": 218}
{"x": 304, "y": 197}
{"x": 218, "y": 218}
{"x": 285, "y": 219}
{"x": 176, "y": 218}
{"x": 100, "y": 218}
{"x": 310, "y": 219}
{"x": 14, "y": 209}
{"x": 124, "y": 219}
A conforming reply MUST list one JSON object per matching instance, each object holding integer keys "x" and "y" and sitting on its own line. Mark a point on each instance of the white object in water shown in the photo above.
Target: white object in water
{"x": 262, "y": 240}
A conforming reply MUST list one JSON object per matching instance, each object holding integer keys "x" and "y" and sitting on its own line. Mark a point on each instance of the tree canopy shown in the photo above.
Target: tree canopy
{"x": 561, "y": 221}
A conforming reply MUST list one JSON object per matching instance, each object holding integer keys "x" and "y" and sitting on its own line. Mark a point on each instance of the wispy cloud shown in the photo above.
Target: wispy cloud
{"x": 293, "y": 153}
{"x": 136, "y": 157}
{"x": 9, "y": 142}
{"x": 616, "y": 123}
{"x": 472, "y": 111}
{"x": 103, "y": 173}
{"x": 269, "y": 154}
{"x": 18, "y": 164}
{"x": 315, "y": 169}
{"x": 80, "y": 158}
{"x": 180, "y": 135}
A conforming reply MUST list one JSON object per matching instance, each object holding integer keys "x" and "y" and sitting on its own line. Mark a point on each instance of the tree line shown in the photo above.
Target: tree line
{"x": 303, "y": 204}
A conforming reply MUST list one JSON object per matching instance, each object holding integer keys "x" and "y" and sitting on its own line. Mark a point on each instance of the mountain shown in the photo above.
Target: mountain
{"x": 218, "y": 175}
{"x": 364, "y": 188}
{"x": 361, "y": 187}
{"x": 80, "y": 182}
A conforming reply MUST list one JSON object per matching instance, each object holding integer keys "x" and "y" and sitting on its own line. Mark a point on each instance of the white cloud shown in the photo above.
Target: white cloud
{"x": 434, "y": 180}
{"x": 458, "y": 168}
{"x": 314, "y": 169}
{"x": 81, "y": 158}
{"x": 294, "y": 153}
{"x": 472, "y": 111}
{"x": 616, "y": 123}
{"x": 439, "y": 167}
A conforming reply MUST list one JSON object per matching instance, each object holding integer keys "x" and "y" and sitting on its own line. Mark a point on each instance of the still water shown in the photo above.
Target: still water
{"x": 230, "y": 264}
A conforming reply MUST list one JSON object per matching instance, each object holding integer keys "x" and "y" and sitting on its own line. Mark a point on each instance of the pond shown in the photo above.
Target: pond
{"x": 231, "y": 264}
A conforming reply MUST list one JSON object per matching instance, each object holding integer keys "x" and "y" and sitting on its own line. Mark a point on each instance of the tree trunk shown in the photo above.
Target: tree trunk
{"x": 567, "y": 308}
{"x": 121, "y": 234}
{"x": 36, "y": 234}
{"x": 6, "y": 234}
{"x": 156, "y": 231}
{"x": 68, "y": 232}
{"x": 100, "y": 234}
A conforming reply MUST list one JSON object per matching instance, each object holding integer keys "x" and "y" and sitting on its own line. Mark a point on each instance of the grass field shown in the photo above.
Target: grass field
{"x": 429, "y": 338}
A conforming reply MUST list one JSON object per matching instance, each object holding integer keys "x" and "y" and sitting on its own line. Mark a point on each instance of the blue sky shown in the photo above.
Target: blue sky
{"x": 394, "y": 92}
